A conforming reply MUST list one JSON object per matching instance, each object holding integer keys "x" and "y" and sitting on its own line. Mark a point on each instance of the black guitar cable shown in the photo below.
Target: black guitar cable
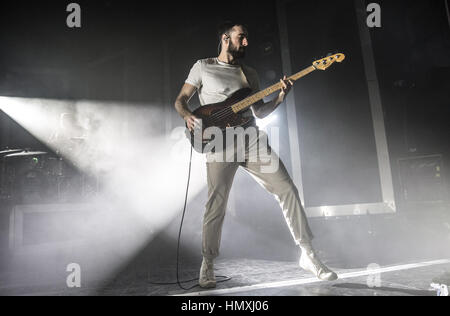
{"x": 181, "y": 225}
{"x": 178, "y": 282}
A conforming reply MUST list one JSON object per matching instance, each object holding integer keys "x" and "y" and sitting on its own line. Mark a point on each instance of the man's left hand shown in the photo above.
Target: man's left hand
{"x": 285, "y": 88}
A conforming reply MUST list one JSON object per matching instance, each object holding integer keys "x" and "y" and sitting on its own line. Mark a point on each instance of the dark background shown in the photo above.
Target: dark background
{"x": 136, "y": 52}
{"x": 141, "y": 52}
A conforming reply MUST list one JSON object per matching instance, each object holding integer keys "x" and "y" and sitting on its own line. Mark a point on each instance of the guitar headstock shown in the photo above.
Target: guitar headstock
{"x": 324, "y": 63}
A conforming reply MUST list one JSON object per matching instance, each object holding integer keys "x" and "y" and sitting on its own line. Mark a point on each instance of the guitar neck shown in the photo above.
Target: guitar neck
{"x": 249, "y": 101}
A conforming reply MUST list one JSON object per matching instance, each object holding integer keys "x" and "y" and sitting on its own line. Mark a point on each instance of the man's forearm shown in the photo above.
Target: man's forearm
{"x": 182, "y": 108}
{"x": 267, "y": 108}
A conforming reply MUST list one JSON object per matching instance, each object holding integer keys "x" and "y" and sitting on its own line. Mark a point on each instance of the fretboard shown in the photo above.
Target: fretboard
{"x": 247, "y": 102}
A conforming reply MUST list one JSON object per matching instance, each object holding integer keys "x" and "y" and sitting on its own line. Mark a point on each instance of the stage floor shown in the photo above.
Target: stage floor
{"x": 405, "y": 253}
{"x": 272, "y": 278}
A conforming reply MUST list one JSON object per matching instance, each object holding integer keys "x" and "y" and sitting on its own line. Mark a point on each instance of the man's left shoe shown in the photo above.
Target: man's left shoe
{"x": 311, "y": 263}
{"x": 207, "y": 279}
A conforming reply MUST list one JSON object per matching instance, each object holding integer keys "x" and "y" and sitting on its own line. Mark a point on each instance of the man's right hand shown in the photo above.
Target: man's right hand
{"x": 192, "y": 122}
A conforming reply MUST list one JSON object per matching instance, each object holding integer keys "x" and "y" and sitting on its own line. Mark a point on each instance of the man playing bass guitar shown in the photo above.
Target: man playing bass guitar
{"x": 216, "y": 79}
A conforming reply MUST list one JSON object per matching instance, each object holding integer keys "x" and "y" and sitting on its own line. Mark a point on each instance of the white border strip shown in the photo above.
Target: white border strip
{"x": 314, "y": 280}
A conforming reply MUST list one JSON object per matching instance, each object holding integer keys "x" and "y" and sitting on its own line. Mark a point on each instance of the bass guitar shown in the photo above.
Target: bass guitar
{"x": 228, "y": 113}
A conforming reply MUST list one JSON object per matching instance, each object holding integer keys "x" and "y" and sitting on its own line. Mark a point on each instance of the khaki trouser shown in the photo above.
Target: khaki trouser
{"x": 278, "y": 182}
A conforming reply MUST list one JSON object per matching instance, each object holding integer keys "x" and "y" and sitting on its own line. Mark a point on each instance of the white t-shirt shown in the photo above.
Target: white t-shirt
{"x": 216, "y": 81}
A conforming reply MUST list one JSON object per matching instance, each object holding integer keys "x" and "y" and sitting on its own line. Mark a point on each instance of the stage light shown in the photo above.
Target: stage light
{"x": 2, "y": 102}
{"x": 143, "y": 172}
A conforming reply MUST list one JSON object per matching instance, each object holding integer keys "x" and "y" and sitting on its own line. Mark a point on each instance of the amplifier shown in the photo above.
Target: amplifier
{"x": 50, "y": 226}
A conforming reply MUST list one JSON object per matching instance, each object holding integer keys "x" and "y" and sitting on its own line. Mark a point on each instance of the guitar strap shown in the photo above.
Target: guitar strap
{"x": 252, "y": 84}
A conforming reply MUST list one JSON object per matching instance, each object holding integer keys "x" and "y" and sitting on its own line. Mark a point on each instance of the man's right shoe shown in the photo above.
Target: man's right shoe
{"x": 207, "y": 279}
{"x": 311, "y": 263}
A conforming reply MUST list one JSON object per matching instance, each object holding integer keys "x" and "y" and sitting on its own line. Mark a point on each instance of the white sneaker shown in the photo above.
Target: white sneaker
{"x": 207, "y": 278}
{"x": 311, "y": 263}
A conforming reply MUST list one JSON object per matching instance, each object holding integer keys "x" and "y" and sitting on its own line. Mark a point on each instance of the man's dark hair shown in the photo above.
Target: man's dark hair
{"x": 225, "y": 28}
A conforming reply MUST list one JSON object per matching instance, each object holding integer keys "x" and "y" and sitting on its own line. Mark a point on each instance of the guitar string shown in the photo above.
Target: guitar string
{"x": 218, "y": 114}
{"x": 223, "y": 113}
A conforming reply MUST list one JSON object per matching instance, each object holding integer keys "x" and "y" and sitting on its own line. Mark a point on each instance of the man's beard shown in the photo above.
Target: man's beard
{"x": 236, "y": 53}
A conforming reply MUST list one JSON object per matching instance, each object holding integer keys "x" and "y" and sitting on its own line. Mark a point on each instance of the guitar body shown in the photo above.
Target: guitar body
{"x": 218, "y": 115}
